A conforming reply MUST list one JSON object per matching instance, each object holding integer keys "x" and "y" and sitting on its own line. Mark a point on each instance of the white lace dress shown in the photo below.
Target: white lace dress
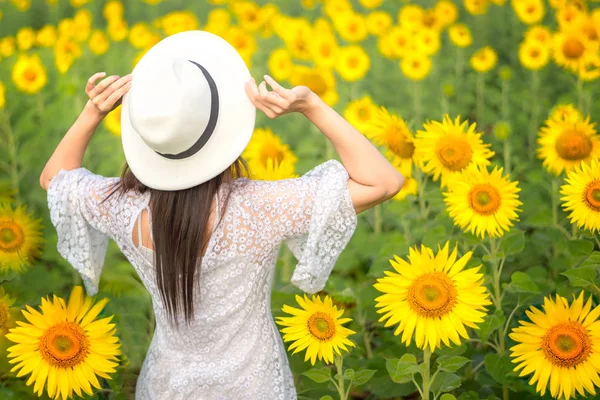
{"x": 233, "y": 349}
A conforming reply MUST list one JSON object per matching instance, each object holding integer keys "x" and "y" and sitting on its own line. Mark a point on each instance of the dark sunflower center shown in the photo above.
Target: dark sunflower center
{"x": 353, "y": 62}
{"x": 273, "y": 153}
{"x": 398, "y": 144}
{"x": 573, "y": 145}
{"x": 363, "y": 113}
{"x": 573, "y": 48}
{"x": 3, "y": 314}
{"x": 64, "y": 345}
{"x": 30, "y": 75}
{"x": 321, "y": 326}
{"x": 591, "y": 195}
{"x": 567, "y": 344}
{"x": 484, "y": 199}
{"x": 11, "y": 237}
{"x": 432, "y": 295}
{"x": 454, "y": 153}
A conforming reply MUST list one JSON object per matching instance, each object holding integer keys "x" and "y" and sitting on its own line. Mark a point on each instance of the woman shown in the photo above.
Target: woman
{"x": 203, "y": 238}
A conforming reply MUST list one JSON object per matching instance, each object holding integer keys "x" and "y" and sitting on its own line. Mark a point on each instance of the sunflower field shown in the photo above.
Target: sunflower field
{"x": 478, "y": 280}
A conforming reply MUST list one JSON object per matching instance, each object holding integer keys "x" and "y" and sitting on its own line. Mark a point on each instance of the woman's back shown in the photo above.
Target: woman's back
{"x": 232, "y": 348}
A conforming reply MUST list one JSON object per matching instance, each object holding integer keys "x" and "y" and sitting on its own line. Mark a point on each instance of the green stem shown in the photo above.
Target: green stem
{"x": 580, "y": 94}
{"x": 12, "y": 153}
{"x": 426, "y": 372}
{"x": 286, "y": 272}
{"x": 480, "y": 97}
{"x": 555, "y": 200}
{"x": 339, "y": 361}
{"x": 507, "y": 155}
{"x": 422, "y": 180}
{"x": 378, "y": 214}
{"x": 496, "y": 270}
{"x": 535, "y": 86}
{"x": 458, "y": 73}
{"x": 417, "y": 102}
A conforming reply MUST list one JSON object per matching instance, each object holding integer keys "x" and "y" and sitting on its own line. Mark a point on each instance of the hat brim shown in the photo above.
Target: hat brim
{"x": 235, "y": 123}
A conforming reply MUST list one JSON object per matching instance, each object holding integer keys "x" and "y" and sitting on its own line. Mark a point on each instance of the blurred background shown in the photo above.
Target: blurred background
{"x": 504, "y": 65}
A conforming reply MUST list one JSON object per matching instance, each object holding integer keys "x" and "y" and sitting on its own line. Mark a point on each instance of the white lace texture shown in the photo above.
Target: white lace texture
{"x": 233, "y": 348}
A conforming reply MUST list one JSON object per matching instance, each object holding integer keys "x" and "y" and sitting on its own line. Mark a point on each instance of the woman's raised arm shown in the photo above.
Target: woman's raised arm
{"x": 373, "y": 179}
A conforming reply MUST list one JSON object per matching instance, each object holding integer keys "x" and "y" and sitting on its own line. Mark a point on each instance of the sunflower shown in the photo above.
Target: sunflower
{"x": 218, "y": 21}
{"x": 430, "y": 20}
{"x": 2, "y": 95}
{"x": 400, "y": 41}
{"x": 280, "y": 64}
{"x": 533, "y": 55}
{"x": 411, "y": 16}
{"x": 316, "y": 327}
{"x": 265, "y": 145}
{"x": 20, "y": 238}
{"x": 352, "y": 63}
{"x": 408, "y": 188}
{"x": 112, "y": 122}
{"x": 529, "y": 11}
{"x": 361, "y": 113}
{"x": 569, "y": 16}
{"x": 319, "y": 80}
{"x": 566, "y": 113}
{"x": 25, "y": 38}
{"x": 564, "y": 144}
{"x": 273, "y": 170}
{"x": 427, "y": 41}
{"x": 7, "y": 46}
{"x": 248, "y": 15}
{"x": 113, "y": 9}
{"x": 6, "y": 311}
{"x": 446, "y": 12}
{"x": 390, "y": 130}
{"x": 140, "y": 35}
{"x": 324, "y": 51}
{"x": 29, "y": 74}
{"x": 98, "y": 42}
{"x": 65, "y": 344}
{"x": 460, "y": 35}
{"x": 476, "y": 7}
{"x": 539, "y": 33}
{"x": 560, "y": 346}
{"x": 432, "y": 296}
{"x": 573, "y": 50}
{"x": 117, "y": 29}
{"x": 370, "y": 3}
{"x": 446, "y": 148}
{"x": 484, "y": 59}
{"x": 66, "y": 51}
{"x": 352, "y": 27}
{"x": 582, "y": 195}
{"x": 378, "y": 22}
{"x": 483, "y": 202}
{"x": 415, "y": 66}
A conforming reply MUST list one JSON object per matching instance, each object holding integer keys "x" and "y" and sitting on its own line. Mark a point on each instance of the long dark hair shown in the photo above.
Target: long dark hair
{"x": 181, "y": 233}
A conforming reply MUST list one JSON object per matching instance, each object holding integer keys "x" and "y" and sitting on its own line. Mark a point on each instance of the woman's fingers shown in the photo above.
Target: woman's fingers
{"x": 104, "y": 83}
{"x": 280, "y": 90}
{"x": 115, "y": 96}
{"x": 255, "y": 97}
{"x": 92, "y": 81}
{"x": 101, "y": 99}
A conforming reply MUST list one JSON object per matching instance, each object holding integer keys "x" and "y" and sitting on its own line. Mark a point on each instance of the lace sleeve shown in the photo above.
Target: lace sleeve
{"x": 314, "y": 216}
{"x": 81, "y": 222}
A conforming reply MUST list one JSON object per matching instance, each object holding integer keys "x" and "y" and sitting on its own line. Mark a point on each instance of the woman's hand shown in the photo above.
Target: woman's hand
{"x": 281, "y": 100}
{"x": 106, "y": 95}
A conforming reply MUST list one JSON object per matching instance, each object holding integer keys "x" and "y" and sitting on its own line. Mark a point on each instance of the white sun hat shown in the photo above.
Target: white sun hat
{"x": 186, "y": 117}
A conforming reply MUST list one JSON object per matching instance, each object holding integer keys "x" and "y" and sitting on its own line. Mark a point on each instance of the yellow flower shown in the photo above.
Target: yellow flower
{"x": 218, "y": 21}
{"x": 569, "y": 16}
{"x": 140, "y": 35}
{"x": 529, "y": 11}
{"x": 430, "y": 20}
{"x": 416, "y": 66}
{"x": 280, "y": 64}
{"x": 391, "y": 131}
{"x": 153, "y": 2}
{"x": 566, "y": 113}
{"x": 573, "y": 50}
{"x": 7, "y": 46}
{"x": 352, "y": 27}
{"x": 113, "y": 10}
{"x": 320, "y": 80}
{"x": 20, "y": 238}
{"x": 411, "y": 16}
{"x": 446, "y": 12}
{"x": 361, "y": 113}
{"x": 565, "y": 144}
{"x": 98, "y": 42}
{"x": 21, "y": 5}
{"x": 483, "y": 202}
{"x": 117, "y": 29}
{"x": 46, "y": 37}
{"x": 25, "y": 38}
{"x": 325, "y": 51}
{"x": 560, "y": 347}
{"x": 178, "y": 21}
{"x": 309, "y": 4}
{"x": 6, "y": 311}
{"x": 370, "y": 3}
{"x": 591, "y": 27}
{"x": 400, "y": 41}
{"x": 316, "y": 327}
{"x": 484, "y": 59}
{"x": 427, "y": 41}
{"x": 409, "y": 188}
{"x": 539, "y": 33}
{"x": 65, "y": 344}
{"x": 445, "y": 149}
{"x": 432, "y": 296}
{"x": 353, "y": 63}
{"x": 244, "y": 42}
{"x": 582, "y": 195}
{"x": 378, "y": 22}
{"x": 533, "y": 55}
{"x": 79, "y": 3}
{"x": 83, "y": 24}
{"x": 476, "y": 7}
{"x": 297, "y": 34}
{"x": 265, "y": 146}
{"x": 66, "y": 51}
{"x": 66, "y": 28}
{"x": 337, "y": 8}
{"x": 29, "y": 74}
{"x": 248, "y": 15}
{"x": 112, "y": 121}
{"x": 460, "y": 35}
{"x": 2, "y": 96}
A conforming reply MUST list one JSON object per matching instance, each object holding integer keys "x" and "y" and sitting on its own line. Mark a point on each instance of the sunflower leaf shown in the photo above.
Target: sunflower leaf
{"x": 319, "y": 375}
{"x": 447, "y": 396}
{"x": 445, "y": 382}
{"x": 513, "y": 243}
{"x": 580, "y": 248}
{"x": 363, "y": 376}
{"x": 452, "y": 364}
{"x": 401, "y": 370}
{"x": 499, "y": 367}
{"x": 581, "y": 277}
{"x": 490, "y": 324}
{"x": 520, "y": 282}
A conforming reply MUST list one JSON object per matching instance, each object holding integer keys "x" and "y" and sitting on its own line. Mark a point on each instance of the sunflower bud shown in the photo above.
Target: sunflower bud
{"x": 505, "y": 73}
{"x": 502, "y": 130}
